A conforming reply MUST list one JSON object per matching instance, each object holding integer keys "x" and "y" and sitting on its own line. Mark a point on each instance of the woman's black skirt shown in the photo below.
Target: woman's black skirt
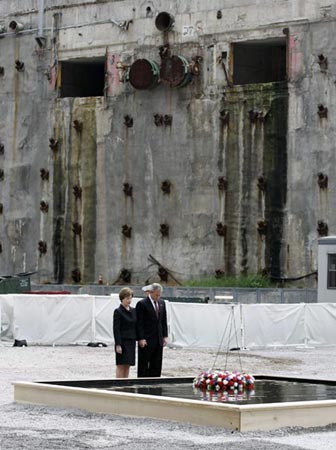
{"x": 128, "y": 353}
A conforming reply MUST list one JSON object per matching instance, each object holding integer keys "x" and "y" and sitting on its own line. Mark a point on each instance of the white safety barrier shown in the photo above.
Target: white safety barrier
{"x": 273, "y": 324}
{"x": 320, "y": 323}
{"x": 52, "y": 319}
{"x": 80, "y": 319}
{"x": 204, "y": 325}
{"x": 7, "y": 319}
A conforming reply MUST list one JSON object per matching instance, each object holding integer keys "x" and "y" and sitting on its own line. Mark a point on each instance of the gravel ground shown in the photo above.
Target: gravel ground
{"x": 31, "y": 427}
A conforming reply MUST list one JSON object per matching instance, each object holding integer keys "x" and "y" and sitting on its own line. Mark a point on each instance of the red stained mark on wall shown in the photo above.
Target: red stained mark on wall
{"x": 295, "y": 60}
{"x": 52, "y": 77}
{"x": 112, "y": 74}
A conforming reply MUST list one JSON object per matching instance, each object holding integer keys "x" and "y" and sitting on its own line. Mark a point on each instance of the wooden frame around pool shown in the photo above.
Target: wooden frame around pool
{"x": 231, "y": 416}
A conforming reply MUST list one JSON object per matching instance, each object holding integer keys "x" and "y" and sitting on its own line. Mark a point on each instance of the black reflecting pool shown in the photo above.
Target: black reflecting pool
{"x": 266, "y": 391}
{"x": 275, "y": 402}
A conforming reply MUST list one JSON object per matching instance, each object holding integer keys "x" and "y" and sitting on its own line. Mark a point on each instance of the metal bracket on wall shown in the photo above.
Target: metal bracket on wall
{"x": 128, "y": 189}
{"x": 262, "y": 227}
{"x": 44, "y": 173}
{"x": 126, "y": 231}
{"x": 322, "y": 180}
{"x": 44, "y": 207}
{"x": 322, "y": 228}
{"x": 128, "y": 121}
{"x": 322, "y": 111}
{"x": 77, "y": 192}
{"x": 164, "y": 229}
{"x": 76, "y": 275}
{"x": 262, "y": 183}
{"x": 78, "y": 126}
{"x": 166, "y": 186}
{"x": 53, "y": 144}
{"x": 19, "y": 65}
{"x": 42, "y": 247}
{"x": 77, "y": 229}
{"x": 125, "y": 275}
{"x": 323, "y": 62}
{"x": 222, "y": 183}
{"x": 221, "y": 229}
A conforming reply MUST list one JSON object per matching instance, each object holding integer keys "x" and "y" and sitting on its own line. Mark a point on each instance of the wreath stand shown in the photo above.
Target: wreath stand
{"x": 231, "y": 324}
{"x": 224, "y": 380}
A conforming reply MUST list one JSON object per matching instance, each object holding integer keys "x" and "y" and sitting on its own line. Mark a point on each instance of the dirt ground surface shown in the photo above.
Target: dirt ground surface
{"x": 31, "y": 427}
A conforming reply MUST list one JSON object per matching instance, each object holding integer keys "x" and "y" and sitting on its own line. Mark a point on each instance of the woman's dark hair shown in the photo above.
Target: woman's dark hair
{"x": 125, "y": 292}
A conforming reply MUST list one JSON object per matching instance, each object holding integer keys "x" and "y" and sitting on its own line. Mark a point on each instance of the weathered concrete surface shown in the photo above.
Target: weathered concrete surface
{"x": 29, "y": 427}
{"x": 83, "y": 235}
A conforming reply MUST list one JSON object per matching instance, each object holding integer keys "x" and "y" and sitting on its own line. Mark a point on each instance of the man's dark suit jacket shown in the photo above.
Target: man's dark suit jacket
{"x": 150, "y": 327}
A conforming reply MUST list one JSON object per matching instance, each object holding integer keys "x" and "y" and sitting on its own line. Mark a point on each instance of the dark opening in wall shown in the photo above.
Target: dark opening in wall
{"x": 259, "y": 61}
{"x": 82, "y": 78}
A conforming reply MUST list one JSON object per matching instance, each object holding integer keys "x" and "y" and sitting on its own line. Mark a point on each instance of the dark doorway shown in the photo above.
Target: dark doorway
{"x": 82, "y": 78}
{"x": 259, "y": 61}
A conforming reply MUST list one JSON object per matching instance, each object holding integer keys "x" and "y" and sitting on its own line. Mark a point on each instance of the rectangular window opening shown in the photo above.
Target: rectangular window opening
{"x": 259, "y": 61}
{"x": 331, "y": 271}
{"x": 82, "y": 78}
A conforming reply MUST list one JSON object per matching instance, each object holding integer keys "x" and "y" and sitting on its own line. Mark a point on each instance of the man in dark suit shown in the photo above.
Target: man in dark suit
{"x": 152, "y": 331}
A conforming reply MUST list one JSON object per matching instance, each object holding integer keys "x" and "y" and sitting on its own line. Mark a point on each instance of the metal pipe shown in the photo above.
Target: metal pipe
{"x": 40, "y": 17}
{"x": 121, "y": 24}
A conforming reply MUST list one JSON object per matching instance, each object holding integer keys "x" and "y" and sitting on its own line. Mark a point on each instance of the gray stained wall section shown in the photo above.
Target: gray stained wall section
{"x": 250, "y": 166}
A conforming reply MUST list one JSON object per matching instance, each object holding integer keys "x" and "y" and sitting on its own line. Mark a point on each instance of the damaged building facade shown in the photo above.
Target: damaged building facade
{"x": 165, "y": 140}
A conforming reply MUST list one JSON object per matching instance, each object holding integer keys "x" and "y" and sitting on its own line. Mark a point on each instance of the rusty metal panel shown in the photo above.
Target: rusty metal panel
{"x": 175, "y": 71}
{"x": 144, "y": 74}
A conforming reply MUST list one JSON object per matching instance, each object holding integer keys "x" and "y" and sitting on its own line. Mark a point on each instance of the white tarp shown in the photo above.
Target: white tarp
{"x": 7, "y": 319}
{"x": 53, "y": 319}
{"x": 74, "y": 319}
{"x": 272, "y": 324}
{"x": 320, "y": 323}
{"x": 204, "y": 325}
{"x": 103, "y": 308}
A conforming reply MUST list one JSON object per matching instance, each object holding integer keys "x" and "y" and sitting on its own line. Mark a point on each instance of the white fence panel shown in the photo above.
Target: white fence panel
{"x": 271, "y": 324}
{"x": 53, "y": 319}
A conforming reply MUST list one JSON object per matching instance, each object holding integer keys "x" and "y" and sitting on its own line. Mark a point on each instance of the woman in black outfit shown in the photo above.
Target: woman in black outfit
{"x": 124, "y": 331}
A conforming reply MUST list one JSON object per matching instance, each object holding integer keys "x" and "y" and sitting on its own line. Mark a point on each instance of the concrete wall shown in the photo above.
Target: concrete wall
{"x": 289, "y": 148}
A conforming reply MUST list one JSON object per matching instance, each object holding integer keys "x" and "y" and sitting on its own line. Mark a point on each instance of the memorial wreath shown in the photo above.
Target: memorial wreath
{"x": 224, "y": 381}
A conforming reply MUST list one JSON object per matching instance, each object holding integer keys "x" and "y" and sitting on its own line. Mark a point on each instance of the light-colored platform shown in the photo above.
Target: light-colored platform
{"x": 242, "y": 418}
